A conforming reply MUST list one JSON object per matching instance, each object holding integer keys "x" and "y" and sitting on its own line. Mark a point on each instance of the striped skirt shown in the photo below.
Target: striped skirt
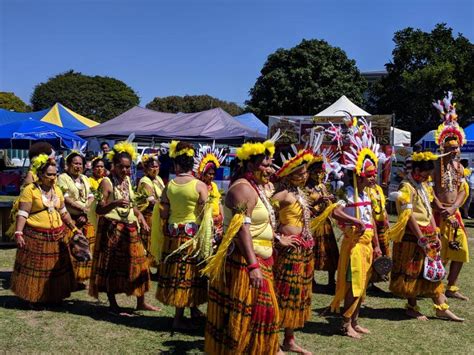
{"x": 240, "y": 318}
{"x": 293, "y": 278}
{"x": 180, "y": 283}
{"x": 119, "y": 264}
{"x": 43, "y": 270}
{"x": 326, "y": 252}
{"x": 82, "y": 269}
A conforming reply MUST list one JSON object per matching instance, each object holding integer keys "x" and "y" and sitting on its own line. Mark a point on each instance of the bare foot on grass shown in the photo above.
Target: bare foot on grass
{"x": 447, "y": 314}
{"x": 416, "y": 314}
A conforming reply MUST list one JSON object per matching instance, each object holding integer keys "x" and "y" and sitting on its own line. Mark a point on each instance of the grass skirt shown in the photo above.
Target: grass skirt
{"x": 242, "y": 319}
{"x": 407, "y": 274}
{"x": 82, "y": 269}
{"x": 293, "y": 285}
{"x": 119, "y": 263}
{"x": 43, "y": 270}
{"x": 326, "y": 252}
{"x": 146, "y": 236}
{"x": 180, "y": 283}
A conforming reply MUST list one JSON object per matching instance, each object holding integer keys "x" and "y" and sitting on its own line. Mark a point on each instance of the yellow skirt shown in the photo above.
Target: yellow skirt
{"x": 242, "y": 319}
{"x": 447, "y": 235}
{"x": 82, "y": 269}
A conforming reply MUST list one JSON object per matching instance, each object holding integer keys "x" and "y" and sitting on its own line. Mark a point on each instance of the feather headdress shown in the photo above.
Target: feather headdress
{"x": 125, "y": 146}
{"x": 249, "y": 149}
{"x": 206, "y": 155}
{"x": 449, "y": 128}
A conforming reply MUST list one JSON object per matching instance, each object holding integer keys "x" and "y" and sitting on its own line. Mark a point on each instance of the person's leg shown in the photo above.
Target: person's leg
{"x": 350, "y": 307}
{"x": 442, "y": 309}
{"x": 114, "y": 307}
{"x": 453, "y": 290}
{"x": 355, "y": 317}
{"x": 413, "y": 311}
{"x": 143, "y": 306}
{"x": 289, "y": 343}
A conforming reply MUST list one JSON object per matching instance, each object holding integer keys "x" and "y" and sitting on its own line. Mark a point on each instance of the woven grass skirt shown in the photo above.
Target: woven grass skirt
{"x": 326, "y": 252}
{"x": 82, "y": 269}
{"x": 119, "y": 264}
{"x": 43, "y": 270}
{"x": 180, "y": 283}
{"x": 242, "y": 319}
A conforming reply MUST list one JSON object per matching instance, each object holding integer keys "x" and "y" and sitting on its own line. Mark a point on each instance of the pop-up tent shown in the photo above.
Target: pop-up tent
{"x": 19, "y": 135}
{"x": 58, "y": 115}
{"x": 214, "y": 124}
{"x": 252, "y": 122}
{"x": 342, "y": 104}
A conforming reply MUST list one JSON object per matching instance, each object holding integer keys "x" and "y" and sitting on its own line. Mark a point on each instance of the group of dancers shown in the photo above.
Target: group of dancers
{"x": 251, "y": 255}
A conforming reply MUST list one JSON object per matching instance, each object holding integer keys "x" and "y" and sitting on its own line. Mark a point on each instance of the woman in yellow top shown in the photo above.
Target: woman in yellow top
{"x": 420, "y": 238}
{"x": 78, "y": 199}
{"x": 98, "y": 173}
{"x": 119, "y": 263}
{"x": 180, "y": 283}
{"x": 206, "y": 163}
{"x": 242, "y": 313}
{"x": 43, "y": 270}
{"x": 294, "y": 266}
{"x": 149, "y": 191}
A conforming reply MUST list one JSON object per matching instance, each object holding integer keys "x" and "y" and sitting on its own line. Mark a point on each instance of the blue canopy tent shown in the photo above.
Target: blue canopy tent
{"x": 18, "y": 135}
{"x": 252, "y": 122}
{"x": 7, "y": 116}
{"x": 428, "y": 141}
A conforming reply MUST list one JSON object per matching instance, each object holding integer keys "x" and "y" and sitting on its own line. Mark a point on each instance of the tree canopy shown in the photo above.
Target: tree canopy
{"x": 424, "y": 67}
{"x": 304, "y": 80}
{"x": 96, "y": 97}
{"x": 192, "y": 103}
{"x": 9, "y": 101}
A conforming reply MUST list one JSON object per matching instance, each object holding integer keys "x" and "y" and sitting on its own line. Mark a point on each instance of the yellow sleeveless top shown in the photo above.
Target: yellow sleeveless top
{"x": 215, "y": 198}
{"x": 291, "y": 215}
{"x": 157, "y": 187}
{"x": 260, "y": 229}
{"x": 378, "y": 202}
{"x": 122, "y": 214}
{"x": 183, "y": 201}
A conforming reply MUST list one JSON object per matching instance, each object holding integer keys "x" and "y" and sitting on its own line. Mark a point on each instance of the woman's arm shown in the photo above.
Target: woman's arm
{"x": 104, "y": 207}
{"x": 21, "y": 217}
{"x": 165, "y": 205}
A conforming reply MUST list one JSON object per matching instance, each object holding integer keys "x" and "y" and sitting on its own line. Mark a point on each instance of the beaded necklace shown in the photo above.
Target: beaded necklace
{"x": 124, "y": 189}
{"x": 49, "y": 202}
{"x": 266, "y": 201}
{"x": 450, "y": 177}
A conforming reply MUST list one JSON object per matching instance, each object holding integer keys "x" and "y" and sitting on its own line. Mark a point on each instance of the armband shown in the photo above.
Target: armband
{"x": 247, "y": 220}
{"x": 63, "y": 210}
{"x": 151, "y": 199}
{"x": 23, "y": 213}
{"x": 253, "y": 266}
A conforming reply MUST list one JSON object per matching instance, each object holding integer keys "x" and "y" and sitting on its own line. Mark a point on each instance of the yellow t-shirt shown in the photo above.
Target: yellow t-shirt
{"x": 39, "y": 216}
{"x": 183, "y": 200}
{"x": 215, "y": 198}
{"x": 80, "y": 193}
{"x": 419, "y": 210}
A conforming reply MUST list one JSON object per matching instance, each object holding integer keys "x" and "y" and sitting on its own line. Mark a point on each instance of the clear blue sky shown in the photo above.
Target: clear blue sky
{"x": 214, "y": 47}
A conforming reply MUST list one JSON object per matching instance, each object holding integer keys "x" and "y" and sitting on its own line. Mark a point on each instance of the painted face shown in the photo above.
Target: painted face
{"x": 76, "y": 167}
{"x": 99, "y": 170}
{"x": 208, "y": 176}
{"x": 264, "y": 171}
{"x": 454, "y": 150}
{"x": 299, "y": 177}
{"x": 153, "y": 169}
{"x": 421, "y": 176}
{"x": 48, "y": 178}
{"x": 123, "y": 168}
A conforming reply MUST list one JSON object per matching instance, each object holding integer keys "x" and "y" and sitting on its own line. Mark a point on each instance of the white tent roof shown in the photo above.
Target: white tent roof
{"x": 342, "y": 104}
{"x": 401, "y": 137}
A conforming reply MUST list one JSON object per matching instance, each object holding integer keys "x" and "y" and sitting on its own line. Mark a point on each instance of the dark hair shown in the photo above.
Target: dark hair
{"x": 39, "y": 148}
{"x": 464, "y": 162}
{"x": 417, "y": 148}
{"x": 148, "y": 163}
{"x": 96, "y": 161}
{"x": 184, "y": 161}
{"x": 103, "y": 143}
{"x": 315, "y": 165}
{"x": 242, "y": 166}
{"x": 71, "y": 156}
{"x": 423, "y": 165}
{"x": 119, "y": 156}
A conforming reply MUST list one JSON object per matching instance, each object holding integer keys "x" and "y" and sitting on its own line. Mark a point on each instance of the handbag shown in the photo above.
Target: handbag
{"x": 79, "y": 247}
{"x": 383, "y": 265}
{"x": 433, "y": 269}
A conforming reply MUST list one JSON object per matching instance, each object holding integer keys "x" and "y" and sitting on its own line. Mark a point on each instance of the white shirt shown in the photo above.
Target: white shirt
{"x": 365, "y": 210}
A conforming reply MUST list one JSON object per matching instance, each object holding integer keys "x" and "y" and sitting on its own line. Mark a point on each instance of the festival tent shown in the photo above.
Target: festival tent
{"x": 252, "y": 122}
{"x": 428, "y": 140}
{"x": 58, "y": 115}
{"x": 147, "y": 125}
{"x": 342, "y": 104}
{"x": 18, "y": 135}
{"x": 400, "y": 137}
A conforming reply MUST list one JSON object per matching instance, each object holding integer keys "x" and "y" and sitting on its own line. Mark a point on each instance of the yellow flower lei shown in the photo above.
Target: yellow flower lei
{"x": 122, "y": 147}
{"x": 207, "y": 159}
{"x": 363, "y": 154}
{"x": 424, "y": 156}
{"x": 292, "y": 164}
{"x": 38, "y": 162}
{"x": 467, "y": 172}
{"x": 249, "y": 149}
{"x": 173, "y": 153}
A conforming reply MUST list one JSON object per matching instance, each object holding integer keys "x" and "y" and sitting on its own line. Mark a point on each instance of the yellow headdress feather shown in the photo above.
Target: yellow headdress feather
{"x": 249, "y": 149}
{"x": 424, "y": 156}
{"x": 38, "y": 162}
{"x": 121, "y": 147}
{"x": 173, "y": 153}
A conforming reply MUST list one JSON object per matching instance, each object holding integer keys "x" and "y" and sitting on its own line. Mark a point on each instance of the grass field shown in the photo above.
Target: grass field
{"x": 83, "y": 325}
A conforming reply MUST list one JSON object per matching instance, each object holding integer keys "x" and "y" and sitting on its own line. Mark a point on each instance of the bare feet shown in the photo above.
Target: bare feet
{"x": 456, "y": 294}
{"x": 119, "y": 312}
{"x": 291, "y": 346}
{"x": 447, "y": 314}
{"x": 360, "y": 329}
{"x": 148, "y": 307}
{"x": 416, "y": 314}
{"x": 350, "y": 332}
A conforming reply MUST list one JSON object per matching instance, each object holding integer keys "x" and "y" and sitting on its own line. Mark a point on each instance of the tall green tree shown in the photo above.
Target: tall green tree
{"x": 9, "y": 101}
{"x": 304, "y": 80}
{"x": 424, "y": 67}
{"x": 192, "y": 103}
{"x": 96, "y": 97}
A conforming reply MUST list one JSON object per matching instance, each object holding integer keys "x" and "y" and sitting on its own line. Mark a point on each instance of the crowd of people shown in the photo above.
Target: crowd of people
{"x": 250, "y": 255}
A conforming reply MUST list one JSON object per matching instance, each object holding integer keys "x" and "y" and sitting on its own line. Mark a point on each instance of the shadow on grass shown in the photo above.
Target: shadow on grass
{"x": 5, "y": 277}
{"x": 391, "y": 314}
{"x": 182, "y": 346}
{"x": 375, "y": 291}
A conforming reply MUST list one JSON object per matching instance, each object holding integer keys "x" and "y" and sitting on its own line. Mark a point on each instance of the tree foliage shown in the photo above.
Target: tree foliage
{"x": 192, "y": 103}
{"x": 304, "y": 80}
{"x": 9, "y": 101}
{"x": 424, "y": 67}
{"x": 96, "y": 97}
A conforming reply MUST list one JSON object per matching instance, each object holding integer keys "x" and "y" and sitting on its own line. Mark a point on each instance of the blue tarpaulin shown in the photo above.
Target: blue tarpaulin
{"x": 19, "y": 135}
{"x": 252, "y": 122}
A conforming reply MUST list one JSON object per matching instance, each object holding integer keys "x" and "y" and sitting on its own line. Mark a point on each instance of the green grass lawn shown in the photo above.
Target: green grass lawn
{"x": 83, "y": 325}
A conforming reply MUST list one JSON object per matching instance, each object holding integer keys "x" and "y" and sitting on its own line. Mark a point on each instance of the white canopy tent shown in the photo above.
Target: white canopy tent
{"x": 342, "y": 104}
{"x": 400, "y": 137}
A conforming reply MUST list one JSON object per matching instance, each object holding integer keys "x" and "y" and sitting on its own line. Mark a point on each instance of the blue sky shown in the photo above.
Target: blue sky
{"x": 214, "y": 47}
